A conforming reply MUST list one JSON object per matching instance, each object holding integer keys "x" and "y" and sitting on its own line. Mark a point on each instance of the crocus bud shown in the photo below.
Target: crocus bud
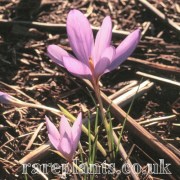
{"x": 8, "y": 99}
{"x": 66, "y": 139}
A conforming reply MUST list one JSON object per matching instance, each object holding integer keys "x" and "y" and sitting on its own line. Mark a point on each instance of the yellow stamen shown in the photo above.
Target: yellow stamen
{"x": 91, "y": 65}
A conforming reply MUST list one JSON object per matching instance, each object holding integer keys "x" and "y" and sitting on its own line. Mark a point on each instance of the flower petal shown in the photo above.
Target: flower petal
{"x": 53, "y": 133}
{"x": 109, "y": 53}
{"x": 77, "y": 68}
{"x": 105, "y": 61}
{"x": 64, "y": 127}
{"x": 65, "y": 147}
{"x": 56, "y": 53}
{"x": 80, "y": 35}
{"x": 125, "y": 49}
{"x": 76, "y": 131}
{"x": 5, "y": 98}
{"x": 103, "y": 39}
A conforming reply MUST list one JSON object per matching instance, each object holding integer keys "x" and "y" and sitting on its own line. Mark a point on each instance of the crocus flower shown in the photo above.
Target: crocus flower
{"x": 8, "y": 99}
{"x": 66, "y": 139}
{"x": 93, "y": 58}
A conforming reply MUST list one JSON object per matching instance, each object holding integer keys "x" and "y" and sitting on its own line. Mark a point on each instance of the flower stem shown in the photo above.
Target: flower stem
{"x": 105, "y": 122}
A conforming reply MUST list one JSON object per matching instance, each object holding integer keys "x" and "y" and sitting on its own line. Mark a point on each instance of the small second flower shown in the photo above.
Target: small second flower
{"x": 67, "y": 138}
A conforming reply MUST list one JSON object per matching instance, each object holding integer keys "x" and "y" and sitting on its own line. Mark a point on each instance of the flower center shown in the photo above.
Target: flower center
{"x": 91, "y": 65}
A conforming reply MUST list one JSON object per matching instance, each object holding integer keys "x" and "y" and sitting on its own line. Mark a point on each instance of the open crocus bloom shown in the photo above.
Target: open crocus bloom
{"x": 66, "y": 139}
{"x": 93, "y": 58}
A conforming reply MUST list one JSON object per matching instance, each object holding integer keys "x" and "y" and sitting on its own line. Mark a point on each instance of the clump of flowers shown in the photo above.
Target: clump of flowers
{"x": 93, "y": 58}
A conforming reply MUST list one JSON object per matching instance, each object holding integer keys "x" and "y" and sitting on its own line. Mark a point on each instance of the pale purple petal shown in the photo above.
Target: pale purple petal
{"x": 103, "y": 39}
{"x": 77, "y": 68}
{"x": 65, "y": 147}
{"x": 80, "y": 35}
{"x": 53, "y": 141}
{"x": 5, "y": 98}
{"x": 125, "y": 49}
{"x": 109, "y": 53}
{"x": 56, "y": 53}
{"x": 53, "y": 133}
{"x": 76, "y": 131}
{"x": 64, "y": 127}
{"x": 104, "y": 61}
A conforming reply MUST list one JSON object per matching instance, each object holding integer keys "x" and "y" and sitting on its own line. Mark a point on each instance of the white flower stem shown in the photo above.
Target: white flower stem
{"x": 105, "y": 122}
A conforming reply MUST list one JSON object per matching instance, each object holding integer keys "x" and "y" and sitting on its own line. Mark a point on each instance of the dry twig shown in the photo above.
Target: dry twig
{"x": 159, "y": 14}
{"x": 141, "y": 133}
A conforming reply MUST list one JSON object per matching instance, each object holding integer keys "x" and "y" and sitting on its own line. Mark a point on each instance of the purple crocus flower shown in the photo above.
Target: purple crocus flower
{"x": 8, "y": 99}
{"x": 66, "y": 139}
{"x": 93, "y": 58}
{"x": 5, "y": 98}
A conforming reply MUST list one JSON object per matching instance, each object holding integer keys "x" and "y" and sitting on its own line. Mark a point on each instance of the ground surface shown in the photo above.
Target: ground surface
{"x": 26, "y": 68}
